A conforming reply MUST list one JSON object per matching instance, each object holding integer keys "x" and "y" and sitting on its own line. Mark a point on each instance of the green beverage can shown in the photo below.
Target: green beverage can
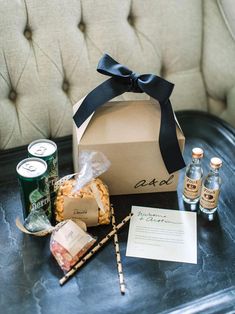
{"x": 34, "y": 188}
{"x": 46, "y": 150}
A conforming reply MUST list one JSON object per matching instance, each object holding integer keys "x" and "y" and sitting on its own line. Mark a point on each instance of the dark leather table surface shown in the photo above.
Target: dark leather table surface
{"x": 29, "y": 275}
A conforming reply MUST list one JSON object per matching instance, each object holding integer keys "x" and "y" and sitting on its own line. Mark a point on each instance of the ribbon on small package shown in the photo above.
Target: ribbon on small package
{"x": 48, "y": 230}
{"x": 124, "y": 80}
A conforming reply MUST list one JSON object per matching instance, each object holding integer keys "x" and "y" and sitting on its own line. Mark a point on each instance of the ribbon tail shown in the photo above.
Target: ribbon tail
{"x": 168, "y": 142}
{"x": 97, "y": 97}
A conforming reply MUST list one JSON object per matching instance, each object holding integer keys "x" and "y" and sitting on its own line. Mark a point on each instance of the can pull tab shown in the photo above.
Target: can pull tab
{"x": 41, "y": 150}
{"x": 29, "y": 167}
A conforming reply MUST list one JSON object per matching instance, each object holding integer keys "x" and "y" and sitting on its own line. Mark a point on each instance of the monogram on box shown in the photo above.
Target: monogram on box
{"x": 141, "y": 138}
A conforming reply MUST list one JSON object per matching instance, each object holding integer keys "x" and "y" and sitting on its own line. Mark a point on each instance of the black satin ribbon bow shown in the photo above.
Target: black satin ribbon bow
{"x": 124, "y": 80}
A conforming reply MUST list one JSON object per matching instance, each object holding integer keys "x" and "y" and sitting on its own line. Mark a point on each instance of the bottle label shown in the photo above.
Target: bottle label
{"x": 209, "y": 198}
{"x": 192, "y": 187}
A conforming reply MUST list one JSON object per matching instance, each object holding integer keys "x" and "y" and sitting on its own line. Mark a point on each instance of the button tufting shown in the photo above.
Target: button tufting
{"x": 12, "y": 95}
{"x": 28, "y": 33}
{"x": 130, "y": 20}
{"x": 82, "y": 27}
{"x": 65, "y": 86}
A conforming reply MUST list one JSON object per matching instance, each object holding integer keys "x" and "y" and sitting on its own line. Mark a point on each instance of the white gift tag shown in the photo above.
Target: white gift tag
{"x": 85, "y": 209}
{"x": 71, "y": 237}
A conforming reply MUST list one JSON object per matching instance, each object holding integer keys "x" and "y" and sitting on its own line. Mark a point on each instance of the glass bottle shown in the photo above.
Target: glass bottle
{"x": 211, "y": 189}
{"x": 193, "y": 178}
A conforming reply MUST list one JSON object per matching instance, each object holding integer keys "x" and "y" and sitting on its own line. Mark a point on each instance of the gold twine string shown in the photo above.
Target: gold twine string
{"x": 118, "y": 255}
{"x": 94, "y": 250}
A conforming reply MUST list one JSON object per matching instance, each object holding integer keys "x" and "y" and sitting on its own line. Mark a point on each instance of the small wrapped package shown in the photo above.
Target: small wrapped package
{"x": 84, "y": 196}
{"x": 69, "y": 243}
{"x": 142, "y": 139}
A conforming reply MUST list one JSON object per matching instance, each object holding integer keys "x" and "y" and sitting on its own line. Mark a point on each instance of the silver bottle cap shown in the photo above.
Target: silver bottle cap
{"x": 197, "y": 152}
{"x": 42, "y": 148}
{"x": 216, "y": 163}
{"x": 31, "y": 167}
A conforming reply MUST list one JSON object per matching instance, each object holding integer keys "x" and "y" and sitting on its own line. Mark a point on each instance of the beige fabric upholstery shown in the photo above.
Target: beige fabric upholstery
{"x": 219, "y": 60}
{"x": 227, "y": 8}
{"x": 49, "y": 51}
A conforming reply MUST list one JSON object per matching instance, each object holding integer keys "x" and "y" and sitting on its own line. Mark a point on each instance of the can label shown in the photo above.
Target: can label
{"x": 33, "y": 181}
{"x": 209, "y": 198}
{"x": 52, "y": 164}
{"x": 41, "y": 203}
{"x": 35, "y": 195}
{"x": 192, "y": 187}
{"x": 39, "y": 199}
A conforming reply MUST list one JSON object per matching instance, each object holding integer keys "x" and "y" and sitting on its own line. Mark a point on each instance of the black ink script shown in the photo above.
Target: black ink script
{"x": 154, "y": 182}
{"x": 79, "y": 211}
{"x": 156, "y": 218}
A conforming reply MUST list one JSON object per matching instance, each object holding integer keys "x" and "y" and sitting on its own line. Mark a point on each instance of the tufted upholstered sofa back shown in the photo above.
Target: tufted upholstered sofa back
{"x": 49, "y": 51}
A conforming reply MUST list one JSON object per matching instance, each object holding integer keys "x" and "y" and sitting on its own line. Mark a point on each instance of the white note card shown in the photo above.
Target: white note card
{"x": 163, "y": 234}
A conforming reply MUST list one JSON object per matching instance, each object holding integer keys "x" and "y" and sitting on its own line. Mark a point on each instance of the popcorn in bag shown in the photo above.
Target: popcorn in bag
{"x": 82, "y": 195}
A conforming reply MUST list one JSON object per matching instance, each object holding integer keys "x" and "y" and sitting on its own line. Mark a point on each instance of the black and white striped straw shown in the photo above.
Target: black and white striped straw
{"x": 118, "y": 255}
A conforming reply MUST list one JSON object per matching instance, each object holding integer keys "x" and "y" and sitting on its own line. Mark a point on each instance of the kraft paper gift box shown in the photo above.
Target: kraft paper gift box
{"x": 127, "y": 133}
{"x": 140, "y": 138}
